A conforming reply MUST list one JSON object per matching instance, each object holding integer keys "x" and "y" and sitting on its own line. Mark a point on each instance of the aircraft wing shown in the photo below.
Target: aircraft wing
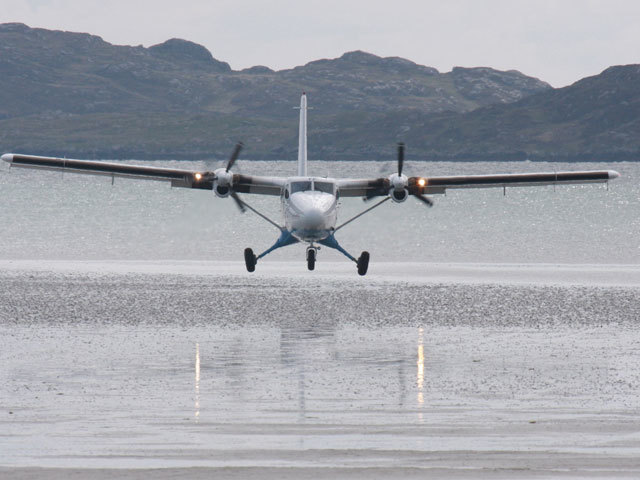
{"x": 177, "y": 177}
{"x": 434, "y": 185}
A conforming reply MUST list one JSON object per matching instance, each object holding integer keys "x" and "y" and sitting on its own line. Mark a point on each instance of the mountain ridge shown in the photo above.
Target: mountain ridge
{"x": 75, "y": 94}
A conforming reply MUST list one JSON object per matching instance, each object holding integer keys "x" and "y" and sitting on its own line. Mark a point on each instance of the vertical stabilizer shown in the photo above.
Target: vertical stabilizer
{"x": 302, "y": 137}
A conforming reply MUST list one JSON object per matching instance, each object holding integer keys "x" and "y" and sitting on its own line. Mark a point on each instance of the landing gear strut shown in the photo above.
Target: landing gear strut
{"x": 250, "y": 260}
{"x": 286, "y": 238}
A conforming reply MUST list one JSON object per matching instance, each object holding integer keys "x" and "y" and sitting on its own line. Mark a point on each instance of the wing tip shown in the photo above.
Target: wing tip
{"x": 7, "y": 157}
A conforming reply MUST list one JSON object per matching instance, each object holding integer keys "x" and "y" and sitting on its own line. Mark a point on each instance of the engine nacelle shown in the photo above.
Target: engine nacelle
{"x": 398, "y": 196}
{"x": 221, "y": 191}
{"x": 223, "y": 183}
{"x": 398, "y": 191}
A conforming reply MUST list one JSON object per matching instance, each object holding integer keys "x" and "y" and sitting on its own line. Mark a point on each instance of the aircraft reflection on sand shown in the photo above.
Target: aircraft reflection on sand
{"x": 305, "y": 355}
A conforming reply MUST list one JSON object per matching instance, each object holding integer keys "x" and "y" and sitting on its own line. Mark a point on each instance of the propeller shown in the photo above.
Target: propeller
{"x": 230, "y": 163}
{"x": 210, "y": 174}
{"x": 423, "y": 199}
{"x": 411, "y": 189}
{"x": 397, "y": 184}
{"x": 400, "y": 158}
{"x": 222, "y": 178}
{"x": 239, "y": 203}
{"x": 234, "y": 155}
{"x": 383, "y": 189}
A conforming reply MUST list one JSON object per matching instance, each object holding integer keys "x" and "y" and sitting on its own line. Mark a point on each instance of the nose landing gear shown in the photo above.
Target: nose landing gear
{"x": 312, "y": 253}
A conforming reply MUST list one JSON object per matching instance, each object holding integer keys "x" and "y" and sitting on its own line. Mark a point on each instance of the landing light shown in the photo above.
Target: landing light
{"x": 198, "y": 176}
{"x": 422, "y": 182}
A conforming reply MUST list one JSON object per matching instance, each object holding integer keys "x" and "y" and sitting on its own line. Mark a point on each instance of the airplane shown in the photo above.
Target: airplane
{"x": 309, "y": 204}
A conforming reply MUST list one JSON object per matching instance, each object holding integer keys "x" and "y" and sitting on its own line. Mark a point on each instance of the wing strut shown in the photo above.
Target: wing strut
{"x": 242, "y": 203}
{"x": 362, "y": 213}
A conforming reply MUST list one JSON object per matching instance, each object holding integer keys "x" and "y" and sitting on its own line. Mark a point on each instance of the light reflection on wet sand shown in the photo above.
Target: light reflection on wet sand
{"x": 420, "y": 365}
{"x": 197, "y": 384}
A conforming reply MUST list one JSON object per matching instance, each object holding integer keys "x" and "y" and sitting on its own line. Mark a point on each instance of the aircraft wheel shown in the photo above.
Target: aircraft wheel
{"x": 363, "y": 263}
{"x": 250, "y": 260}
{"x": 311, "y": 258}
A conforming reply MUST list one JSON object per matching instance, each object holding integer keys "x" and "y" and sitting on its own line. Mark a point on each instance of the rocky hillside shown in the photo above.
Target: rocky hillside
{"x": 596, "y": 118}
{"x": 75, "y": 94}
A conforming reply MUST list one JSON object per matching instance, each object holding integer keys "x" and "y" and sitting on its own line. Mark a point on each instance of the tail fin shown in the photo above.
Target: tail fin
{"x": 302, "y": 138}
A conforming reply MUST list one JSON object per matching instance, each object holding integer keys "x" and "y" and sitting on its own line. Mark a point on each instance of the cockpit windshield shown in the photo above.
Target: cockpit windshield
{"x": 317, "y": 185}
{"x": 326, "y": 187}
{"x": 300, "y": 186}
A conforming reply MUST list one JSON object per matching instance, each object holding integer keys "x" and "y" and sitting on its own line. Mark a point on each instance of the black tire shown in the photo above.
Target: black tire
{"x": 311, "y": 259}
{"x": 250, "y": 260}
{"x": 363, "y": 263}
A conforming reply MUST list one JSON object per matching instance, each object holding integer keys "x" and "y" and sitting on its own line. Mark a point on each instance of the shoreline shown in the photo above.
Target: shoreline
{"x": 604, "y": 275}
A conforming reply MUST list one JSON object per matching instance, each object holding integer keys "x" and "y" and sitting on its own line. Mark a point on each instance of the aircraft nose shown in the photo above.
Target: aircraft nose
{"x": 314, "y": 217}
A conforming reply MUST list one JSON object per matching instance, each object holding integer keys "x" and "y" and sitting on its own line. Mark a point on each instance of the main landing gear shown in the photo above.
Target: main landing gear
{"x": 250, "y": 260}
{"x": 286, "y": 238}
{"x": 362, "y": 262}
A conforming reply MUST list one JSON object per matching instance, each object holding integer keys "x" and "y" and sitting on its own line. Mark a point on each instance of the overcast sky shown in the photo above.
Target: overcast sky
{"x": 559, "y": 41}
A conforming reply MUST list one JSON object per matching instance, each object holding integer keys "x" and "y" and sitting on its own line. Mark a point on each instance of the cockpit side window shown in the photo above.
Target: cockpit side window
{"x": 326, "y": 187}
{"x": 300, "y": 186}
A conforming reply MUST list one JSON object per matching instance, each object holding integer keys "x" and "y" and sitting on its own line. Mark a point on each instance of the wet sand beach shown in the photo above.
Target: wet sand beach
{"x": 185, "y": 370}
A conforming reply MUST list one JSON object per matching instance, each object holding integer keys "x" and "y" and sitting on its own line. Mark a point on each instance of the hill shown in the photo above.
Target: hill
{"x": 75, "y": 94}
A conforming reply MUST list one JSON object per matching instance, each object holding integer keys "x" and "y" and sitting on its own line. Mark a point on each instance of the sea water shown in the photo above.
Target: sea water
{"x": 47, "y": 215}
